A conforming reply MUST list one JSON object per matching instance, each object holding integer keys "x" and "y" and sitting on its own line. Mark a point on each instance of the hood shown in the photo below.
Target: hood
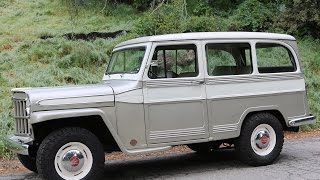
{"x": 66, "y": 97}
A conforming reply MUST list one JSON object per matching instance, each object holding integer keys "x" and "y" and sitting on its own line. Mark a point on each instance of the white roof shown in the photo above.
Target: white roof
{"x": 207, "y": 35}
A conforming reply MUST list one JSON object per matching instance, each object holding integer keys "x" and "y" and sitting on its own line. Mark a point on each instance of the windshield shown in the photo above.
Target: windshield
{"x": 126, "y": 61}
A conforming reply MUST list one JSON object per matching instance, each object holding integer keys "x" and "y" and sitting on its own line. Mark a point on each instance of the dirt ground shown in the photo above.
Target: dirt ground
{"x": 13, "y": 166}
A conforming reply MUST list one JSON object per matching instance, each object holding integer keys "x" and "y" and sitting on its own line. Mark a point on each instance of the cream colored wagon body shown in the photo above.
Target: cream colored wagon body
{"x": 199, "y": 89}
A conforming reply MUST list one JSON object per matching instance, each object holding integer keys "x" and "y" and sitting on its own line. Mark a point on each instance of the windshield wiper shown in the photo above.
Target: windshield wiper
{"x": 123, "y": 72}
{"x": 132, "y": 72}
{"x": 107, "y": 73}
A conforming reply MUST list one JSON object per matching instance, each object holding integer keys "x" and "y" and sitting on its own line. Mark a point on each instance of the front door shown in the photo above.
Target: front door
{"x": 174, "y": 94}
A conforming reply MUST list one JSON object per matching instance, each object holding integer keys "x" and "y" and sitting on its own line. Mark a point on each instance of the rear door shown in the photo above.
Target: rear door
{"x": 229, "y": 79}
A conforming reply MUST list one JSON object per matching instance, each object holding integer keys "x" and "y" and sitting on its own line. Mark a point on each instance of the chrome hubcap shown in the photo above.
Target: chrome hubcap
{"x": 72, "y": 161}
{"x": 262, "y": 139}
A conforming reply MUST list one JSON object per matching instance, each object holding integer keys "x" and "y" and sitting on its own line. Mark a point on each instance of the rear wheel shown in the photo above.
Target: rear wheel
{"x": 261, "y": 140}
{"x": 70, "y": 153}
{"x": 28, "y": 162}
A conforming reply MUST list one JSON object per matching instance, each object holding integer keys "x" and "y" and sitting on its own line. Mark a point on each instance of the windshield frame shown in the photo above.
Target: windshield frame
{"x": 124, "y": 72}
{"x": 129, "y": 76}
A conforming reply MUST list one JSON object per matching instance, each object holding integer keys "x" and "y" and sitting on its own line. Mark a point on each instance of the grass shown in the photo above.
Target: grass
{"x": 28, "y": 61}
{"x": 310, "y": 57}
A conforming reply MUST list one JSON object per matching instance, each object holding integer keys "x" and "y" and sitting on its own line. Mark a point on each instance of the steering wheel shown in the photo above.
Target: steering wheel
{"x": 152, "y": 75}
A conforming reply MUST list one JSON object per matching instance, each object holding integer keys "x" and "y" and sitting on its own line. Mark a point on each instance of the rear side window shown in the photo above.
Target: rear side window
{"x": 274, "y": 58}
{"x": 228, "y": 59}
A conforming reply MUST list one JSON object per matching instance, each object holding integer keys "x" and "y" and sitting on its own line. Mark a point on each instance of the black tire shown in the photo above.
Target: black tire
{"x": 204, "y": 148}
{"x": 244, "y": 147}
{"x": 54, "y": 141}
{"x": 28, "y": 162}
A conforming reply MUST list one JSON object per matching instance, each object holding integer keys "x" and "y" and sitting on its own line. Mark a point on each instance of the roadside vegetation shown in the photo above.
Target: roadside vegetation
{"x": 27, "y": 60}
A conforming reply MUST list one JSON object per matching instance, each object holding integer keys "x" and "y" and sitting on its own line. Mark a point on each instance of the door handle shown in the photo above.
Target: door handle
{"x": 197, "y": 82}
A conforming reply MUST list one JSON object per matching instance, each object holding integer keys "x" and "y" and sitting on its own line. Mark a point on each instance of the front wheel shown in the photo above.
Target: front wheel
{"x": 70, "y": 153}
{"x": 261, "y": 140}
{"x": 28, "y": 162}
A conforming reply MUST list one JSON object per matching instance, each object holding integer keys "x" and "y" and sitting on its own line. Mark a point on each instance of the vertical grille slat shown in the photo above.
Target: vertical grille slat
{"x": 23, "y": 108}
{"x": 25, "y": 126}
{"x": 20, "y": 107}
{"x": 19, "y": 127}
{"x": 15, "y": 109}
{"x": 21, "y": 116}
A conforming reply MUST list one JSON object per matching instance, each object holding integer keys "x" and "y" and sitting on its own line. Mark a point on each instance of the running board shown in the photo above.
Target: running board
{"x": 148, "y": 150}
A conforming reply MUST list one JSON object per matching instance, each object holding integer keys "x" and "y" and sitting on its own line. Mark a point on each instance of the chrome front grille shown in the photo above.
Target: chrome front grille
{"x": 21, "y": 116}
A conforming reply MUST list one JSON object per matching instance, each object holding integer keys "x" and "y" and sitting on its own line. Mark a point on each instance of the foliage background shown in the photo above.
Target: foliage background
{"x": 28, "y": 60}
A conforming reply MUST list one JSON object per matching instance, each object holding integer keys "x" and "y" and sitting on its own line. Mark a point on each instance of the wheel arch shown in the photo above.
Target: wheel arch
{"x": 93, "y": 120}
{"x": 93, "y": 123}
{"x": 274, "y": 110}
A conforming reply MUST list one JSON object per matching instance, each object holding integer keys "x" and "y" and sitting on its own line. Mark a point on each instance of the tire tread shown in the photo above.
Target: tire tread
{"x": 52, "y": 141}
{"x": 243, "y": 146}
{"x": 28, "y": 162}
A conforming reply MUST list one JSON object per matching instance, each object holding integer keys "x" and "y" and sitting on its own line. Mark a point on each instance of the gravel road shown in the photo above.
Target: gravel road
{"x": 300, "y": 159}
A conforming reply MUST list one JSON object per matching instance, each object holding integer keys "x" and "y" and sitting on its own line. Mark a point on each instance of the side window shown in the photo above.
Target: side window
{"x": 228, "y": 59}
{"x": 274, "y": 58}
{"x": 174, "y": 62}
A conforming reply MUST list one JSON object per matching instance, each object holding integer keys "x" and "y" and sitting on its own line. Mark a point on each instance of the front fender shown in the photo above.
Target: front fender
{"x": 43, "y": 116}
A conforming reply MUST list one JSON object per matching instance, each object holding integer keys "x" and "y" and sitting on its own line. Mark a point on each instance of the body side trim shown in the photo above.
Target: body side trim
{"x": 103, "y": 99}
{"x": 225, "y": 128}
{"x": 177, "y": 133}
{"x": 250, "y": 78}
{"x": 255, "y": 95}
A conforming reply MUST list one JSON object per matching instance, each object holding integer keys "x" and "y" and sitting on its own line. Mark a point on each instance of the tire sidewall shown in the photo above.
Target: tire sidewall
{"x": 248, "y": 155}
{"x": 53, "y": 147}
{"x": 28, "y": 162}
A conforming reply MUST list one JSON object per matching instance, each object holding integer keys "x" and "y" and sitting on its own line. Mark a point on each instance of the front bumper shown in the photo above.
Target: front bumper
{"x": 18, "y": 144}
{"x": 302, "y": 121}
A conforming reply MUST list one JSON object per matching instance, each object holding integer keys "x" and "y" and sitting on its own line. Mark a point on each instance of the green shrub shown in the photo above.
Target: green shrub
{"x": 199, "y": 8}
{"x": 166, "y": 19}
{"x": 252, "y": 15}
{"x": 220, "y": 8}
{"x": 302, "y": 18}
{"x": 310, "y": 58}
{"x": 202, "y": 24}
{"x": 6, "y": 126}
{"x": 171, "y": 18}
{"x": 143, "y": 4}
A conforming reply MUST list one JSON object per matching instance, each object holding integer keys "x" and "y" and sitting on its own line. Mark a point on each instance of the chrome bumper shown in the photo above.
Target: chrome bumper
{"x": 302, "y": 121}
{"x": 18, "y": 144}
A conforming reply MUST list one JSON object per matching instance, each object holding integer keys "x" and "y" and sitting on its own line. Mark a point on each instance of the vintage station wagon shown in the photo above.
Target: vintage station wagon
{"x": 239, "y": 89}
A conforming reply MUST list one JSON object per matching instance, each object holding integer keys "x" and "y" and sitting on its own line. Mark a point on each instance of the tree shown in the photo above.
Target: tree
{"x": 302, "y": 17}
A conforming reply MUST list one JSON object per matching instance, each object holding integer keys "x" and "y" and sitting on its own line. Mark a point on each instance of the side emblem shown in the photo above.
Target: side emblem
{"x": 133, "y": 142}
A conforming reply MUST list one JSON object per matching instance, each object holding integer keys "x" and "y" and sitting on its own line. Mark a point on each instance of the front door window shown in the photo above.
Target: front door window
{"x": 174, "y": 62}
